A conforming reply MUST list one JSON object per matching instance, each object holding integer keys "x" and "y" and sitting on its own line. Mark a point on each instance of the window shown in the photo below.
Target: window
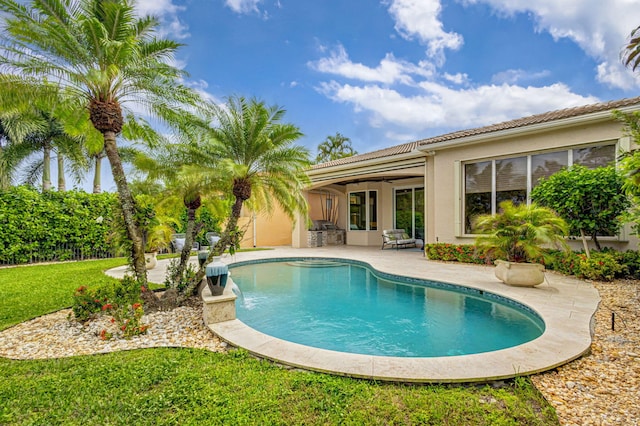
{"x": 363, "y": 210}
{"x": 488, "y": 183}
{"x": 595, "y": 156}
{"x": 544, "y": 165}
{"x": 478, "y": 183}
{"x": 511, "y": 180}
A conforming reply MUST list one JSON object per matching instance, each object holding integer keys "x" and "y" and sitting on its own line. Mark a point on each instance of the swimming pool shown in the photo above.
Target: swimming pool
{"x": 346, "y": 306}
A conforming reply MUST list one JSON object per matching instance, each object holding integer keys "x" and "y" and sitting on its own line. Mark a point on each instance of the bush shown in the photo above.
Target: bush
{"x": 567, "y": 263}
{"x": 630, "y": 259}
{"x": 600, "y": 266}
{"x": 87, "y": 303}
{"x": 54, "y": 225}
{"x": 121, "y": 300}
{"x": 466, "y": 253}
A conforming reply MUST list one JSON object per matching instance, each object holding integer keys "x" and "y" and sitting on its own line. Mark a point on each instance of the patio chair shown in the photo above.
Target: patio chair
{"x": 177, "y": 242}
{"x": 397, "y": 238}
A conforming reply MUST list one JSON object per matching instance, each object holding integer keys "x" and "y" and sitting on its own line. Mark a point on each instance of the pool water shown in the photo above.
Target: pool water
{"x": 348, "y": 307}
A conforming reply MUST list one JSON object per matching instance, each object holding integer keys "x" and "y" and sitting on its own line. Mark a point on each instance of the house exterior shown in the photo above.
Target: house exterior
{"x": 433, "y": 187}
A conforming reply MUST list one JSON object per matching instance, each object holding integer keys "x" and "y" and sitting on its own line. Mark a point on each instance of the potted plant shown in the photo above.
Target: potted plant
{"x": 517, "y": 236}
{"x": 155, "y": 239}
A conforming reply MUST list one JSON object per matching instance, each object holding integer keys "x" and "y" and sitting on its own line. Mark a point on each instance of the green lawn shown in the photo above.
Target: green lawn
{"x": 188, "y": 386}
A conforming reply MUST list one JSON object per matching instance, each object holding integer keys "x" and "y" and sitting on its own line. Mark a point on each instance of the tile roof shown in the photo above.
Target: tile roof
{"x": 506, "y": 125}
{"x": 386, "y": 152}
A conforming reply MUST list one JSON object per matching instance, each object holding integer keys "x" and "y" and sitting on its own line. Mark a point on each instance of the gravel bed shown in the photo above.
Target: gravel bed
{"x": 600, "y": 388}
{"x": 55, "y": 336}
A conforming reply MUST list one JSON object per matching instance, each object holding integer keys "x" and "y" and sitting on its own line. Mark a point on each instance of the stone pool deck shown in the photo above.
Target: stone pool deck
{"x": 566, "y": 304}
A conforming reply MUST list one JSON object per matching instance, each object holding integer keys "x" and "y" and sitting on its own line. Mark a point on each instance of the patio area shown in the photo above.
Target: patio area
{"x": 566, "y": 304}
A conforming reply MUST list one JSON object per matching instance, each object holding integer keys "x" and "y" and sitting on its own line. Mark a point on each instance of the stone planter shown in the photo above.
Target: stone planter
{"x": 150, "y": 259}
{"x": 519, "y": 274}
{"x": 217, "y": 273}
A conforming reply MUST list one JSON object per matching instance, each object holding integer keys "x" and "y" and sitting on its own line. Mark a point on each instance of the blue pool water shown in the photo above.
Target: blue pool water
{"x": 348, "y": 307}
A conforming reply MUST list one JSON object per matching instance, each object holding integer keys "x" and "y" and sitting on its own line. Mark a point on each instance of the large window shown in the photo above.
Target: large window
{"x": 363, "y": 211}
{"x": 490, "y": 182}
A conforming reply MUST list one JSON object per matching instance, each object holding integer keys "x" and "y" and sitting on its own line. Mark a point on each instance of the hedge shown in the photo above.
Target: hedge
{"x": 37, "y": 226}
{"x": 604, "y": 265}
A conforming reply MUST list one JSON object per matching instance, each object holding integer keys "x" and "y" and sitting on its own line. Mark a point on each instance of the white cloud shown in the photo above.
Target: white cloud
{"x": 167, "y": 12}
{"x": 599, "y": 28}
{"x": 436, "y": 105}
{"x": 243, "y": 6}
{"x": 421, "y": 19}
{"x": 390, "y": 70}
{"x": 516, "y": 76}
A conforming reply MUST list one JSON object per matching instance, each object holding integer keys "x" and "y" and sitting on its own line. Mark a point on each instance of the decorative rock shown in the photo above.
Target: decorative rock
{"x": 54, "y": 336}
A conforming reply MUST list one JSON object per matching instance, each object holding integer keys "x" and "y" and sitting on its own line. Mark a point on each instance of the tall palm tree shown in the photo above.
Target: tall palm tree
{"x": 47, "y": 137}
{"x": 257, "y": 160}
{"x": 98, "y": 56}
{"x": 631, "y": 52}
{"x": 335, "y": 147}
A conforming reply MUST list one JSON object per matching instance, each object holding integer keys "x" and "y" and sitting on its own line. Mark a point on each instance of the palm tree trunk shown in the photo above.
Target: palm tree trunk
{"x": 97, "y": 188}
{"x": 128, "y": 206}
{"x": 46, "y": 167}
{"x": 62, "y": 185}
{"x": 188, "y": 243}
{"x": 228, "y": 237}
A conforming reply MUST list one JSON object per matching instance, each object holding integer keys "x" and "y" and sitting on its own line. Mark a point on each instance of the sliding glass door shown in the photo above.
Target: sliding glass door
{"x": 409, "y": 211}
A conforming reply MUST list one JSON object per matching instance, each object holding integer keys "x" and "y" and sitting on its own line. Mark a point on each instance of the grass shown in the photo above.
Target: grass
{"x": 31, "y": 291}
{"x": 189, "y": 386}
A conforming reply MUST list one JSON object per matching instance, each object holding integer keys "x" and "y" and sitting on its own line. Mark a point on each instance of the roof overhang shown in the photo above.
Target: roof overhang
{"x": 402, "y": 165}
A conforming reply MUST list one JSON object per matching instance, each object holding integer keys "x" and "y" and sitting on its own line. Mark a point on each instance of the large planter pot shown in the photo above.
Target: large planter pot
{"x": 151, "y": 260}
{"x": 519, "y": 274}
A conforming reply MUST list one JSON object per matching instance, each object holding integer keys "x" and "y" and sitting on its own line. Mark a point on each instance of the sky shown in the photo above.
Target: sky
{"x": 386, "y": 72}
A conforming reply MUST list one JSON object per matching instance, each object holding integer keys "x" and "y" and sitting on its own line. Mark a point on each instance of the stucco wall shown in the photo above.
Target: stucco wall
{"x": 445, "y": 186}
{"x": 270, "y": 230}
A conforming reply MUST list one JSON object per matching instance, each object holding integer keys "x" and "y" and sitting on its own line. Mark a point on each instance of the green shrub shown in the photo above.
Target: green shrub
{"x": 601, "y": 266}
{"x": 87, "y": 303}
{"x": 121, "y": 299}
{"x": 630, "y": 260}
{"x": 465, "y": 253}
{"x": 567, "y": 263}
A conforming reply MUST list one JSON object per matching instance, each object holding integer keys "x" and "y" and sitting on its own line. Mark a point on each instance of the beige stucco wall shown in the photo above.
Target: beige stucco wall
{"x": 445, "y": 186}
{"x": 270, "y": 229}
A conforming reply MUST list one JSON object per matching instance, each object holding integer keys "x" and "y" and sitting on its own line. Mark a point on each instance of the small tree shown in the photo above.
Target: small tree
{"x": 590, "y": 200}
{"x": 630, "y": 166}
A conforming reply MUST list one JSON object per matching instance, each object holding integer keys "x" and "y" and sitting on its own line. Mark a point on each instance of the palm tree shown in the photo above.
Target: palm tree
{"x": 97, "y": 56}
{"x": 334, "y": 147}
{"x": 48, "y": 137}
{"x": 631, "y": 52}
{"x": 181, "y": 182}
{"x": 254, "y": 155}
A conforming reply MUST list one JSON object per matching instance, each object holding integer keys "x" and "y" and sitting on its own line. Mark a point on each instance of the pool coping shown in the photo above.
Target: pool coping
{"x": 566, "y": 304}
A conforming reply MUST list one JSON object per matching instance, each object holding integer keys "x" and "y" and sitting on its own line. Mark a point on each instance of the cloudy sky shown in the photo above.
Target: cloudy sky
{"x": 385, "y": 72}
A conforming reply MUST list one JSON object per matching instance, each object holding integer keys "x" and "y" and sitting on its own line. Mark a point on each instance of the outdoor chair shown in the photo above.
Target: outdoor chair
{"x": 397, "y": 238}
{"x": 178, "y": 240}
{"x": 213, "y": 238}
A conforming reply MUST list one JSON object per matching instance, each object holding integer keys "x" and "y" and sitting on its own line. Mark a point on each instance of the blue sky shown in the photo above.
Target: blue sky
{"x": 387, "y": 72}
{"x": 393, "y": 71}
